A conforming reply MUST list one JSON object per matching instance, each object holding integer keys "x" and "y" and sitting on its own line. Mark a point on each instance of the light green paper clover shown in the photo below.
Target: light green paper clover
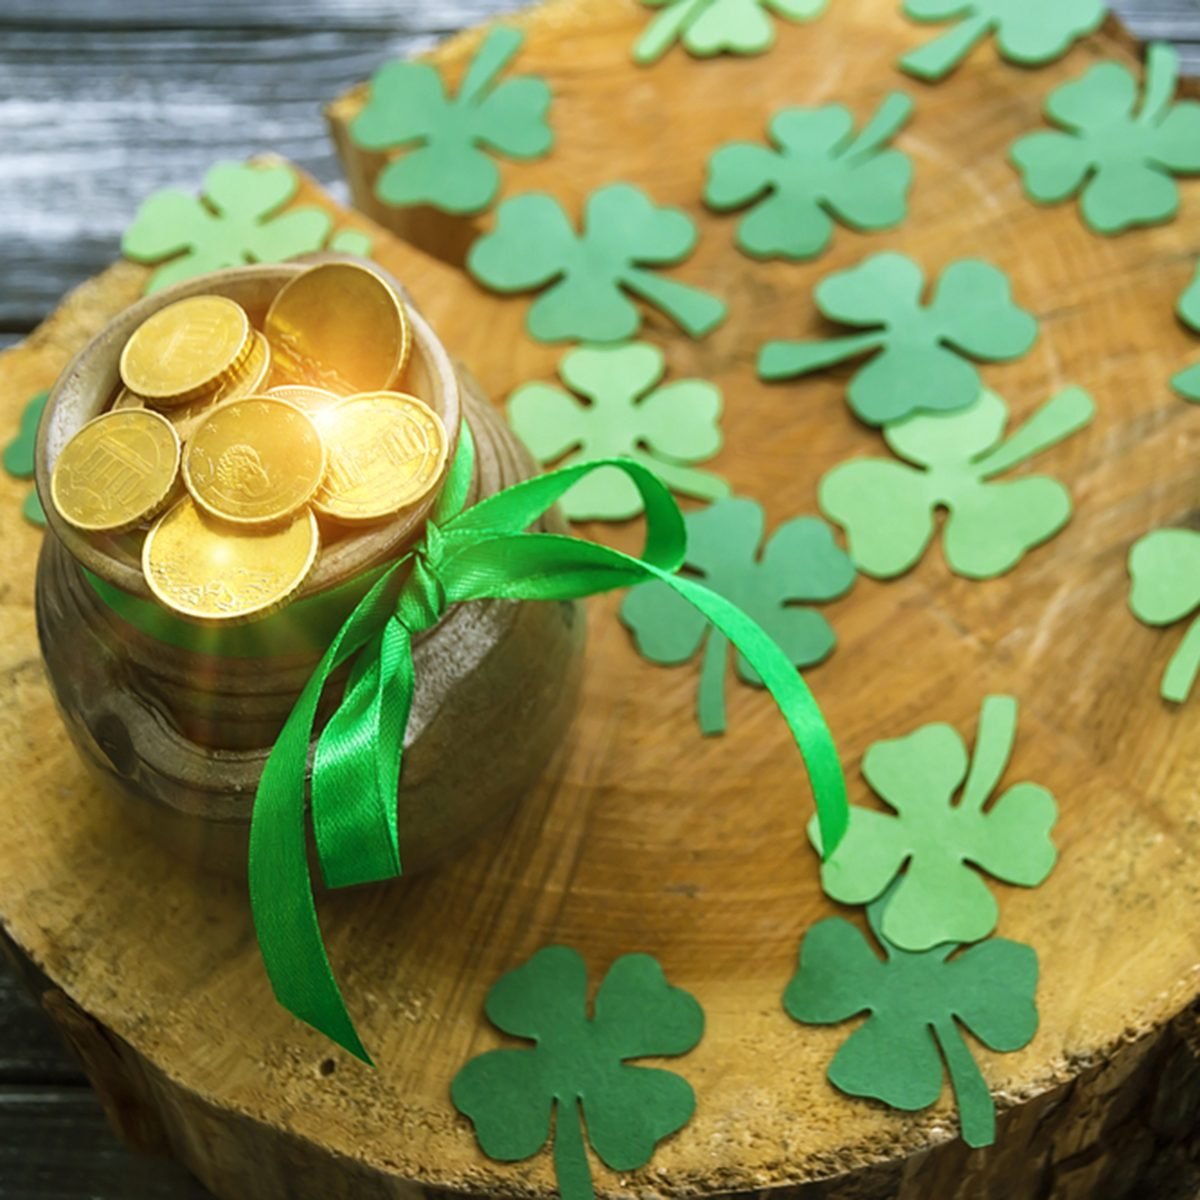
{"x": 18, "y": 455}
{"x": 710, "y": 27}
{"x": 935, "y": 848}
{"x": 922, "y": 364}
{"x": 533, "y": 246}
{"x": 800, "y": 565}
{"x": 1187, "y": 382}
{"x": 578, "y": 1071}
{"x": 889, "y": 510}
{"x": 816, "y": 170}
{"x": 351, "y": 241}
{"x": 1165, "y": 568}
{"x": 445, "y": 142}
{"x": 236, "y": 220}
{"x": 1122, "y": 155}
{"x": 1028, "y": 32}
{"x": 663, "y": 428}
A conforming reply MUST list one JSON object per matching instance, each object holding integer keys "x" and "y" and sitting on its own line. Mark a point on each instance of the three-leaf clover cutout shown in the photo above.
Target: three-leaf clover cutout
{"x": 625, "y": 414}
{"x": 1028, "y": 32}
{"x": 19, "y": 454}
{"x": 444, "y": 143}
{"x": 709, "y": 27}
{"x": 889, "y": 510}
{"x": 921, "y": 353}
{"x": 1123, "y": 155}
{"x": 578, "y": 1071}
{"x": 1165, "y": 566}
{"x": 238, "y": 219}
{"x": 934, "y": 848}
{"x": 1187, "y": 382}
{"x": 918, "y": 1006}
{"x": 800, "y": 565}
{"x": 534, "y": 245}
{"x": 816, "y": 169}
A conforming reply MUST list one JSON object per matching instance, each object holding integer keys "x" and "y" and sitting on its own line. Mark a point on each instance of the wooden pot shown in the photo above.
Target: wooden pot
{"x": 181, "y": 737}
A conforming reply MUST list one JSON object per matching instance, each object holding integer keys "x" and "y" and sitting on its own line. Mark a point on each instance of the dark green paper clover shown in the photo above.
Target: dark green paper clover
{"x": 1122, "y": 155}
{"x": 923, "y": 364}
{"x": 236, "y": 220}
{"x": 941, "y": 846}
{"x": 889, "y": 510}
{"x": 1187, "y": 382}
{"x": 533, "y": 245}
{"x": 445, "y": 161}
{"x": 709, "y": 27}
{"x": 918, "y": 1006}
{"x": 1028, "y": 32}
{"x": 578, "y": 1071}
{"x": 817, "y": 167}
{"x": 19, "y": 454}
{"x": 1165, "y": 567}
{"x": 800, "y": 564}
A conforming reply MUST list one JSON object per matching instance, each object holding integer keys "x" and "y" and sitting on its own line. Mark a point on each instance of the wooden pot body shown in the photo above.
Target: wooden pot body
{"x": 181, "y": 737}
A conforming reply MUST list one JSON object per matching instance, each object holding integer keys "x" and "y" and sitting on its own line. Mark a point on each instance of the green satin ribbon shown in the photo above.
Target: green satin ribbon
{"x": 465, "y": 554}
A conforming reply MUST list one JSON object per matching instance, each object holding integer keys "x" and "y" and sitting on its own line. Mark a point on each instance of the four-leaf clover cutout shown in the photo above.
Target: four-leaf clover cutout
{"x": 1165, "y": 566}
{"x": 533, "y": 245}
{"x": 941, "y": 846}
{"x": 626, "y": 414}
{"x": 924, "y": 350}
{"x": 1121, "y": 153}
{"x": 444, "y": 143}
{"x": 889, "y": 510}
{"x": 1029, "y": 32}
{"x": 238, "y": 219}
{"x": 817, "y": 169}
{"x": 709, "y": 27}
{"x": 19, "y": 455}
{"x": 919, "y": 1005}
{"x": 578, "y": 1071}
{"x": 801, "y": 564}
{"x": 1187, "y": 382}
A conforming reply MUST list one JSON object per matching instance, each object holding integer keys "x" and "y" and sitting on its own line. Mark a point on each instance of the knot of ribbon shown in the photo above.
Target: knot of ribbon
{"x": 486, "y": 551}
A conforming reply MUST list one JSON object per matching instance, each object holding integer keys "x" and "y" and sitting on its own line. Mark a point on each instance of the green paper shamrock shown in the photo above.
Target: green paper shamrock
{"x": 923, "y": 365}
{"x": 445, "y": 162}
{"x": 533, "y": 245}
{"x": 710, "y": 27}
{"x": 801, "y": 563}
{"x": 1028, "y": 32}
{"x": 1165, "y": 567}
{"x": 1123, "y": 156}
{"x": 663, "y": 428}
{"x": 919, "y": 1005}
{"x": 578, "y": 1071}
{"x": 1187, "y": 382}
{"x": 889, "y": 510}
{"x": 818, "y": 168}
{"x": 351, "y": 241}
{"x": 19, "y": 454}
{"x": 236, "y": 220}
{"x": 937, "y": 844}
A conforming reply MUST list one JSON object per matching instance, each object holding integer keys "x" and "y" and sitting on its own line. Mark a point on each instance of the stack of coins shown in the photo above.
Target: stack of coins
{"x": 236, "y": 451}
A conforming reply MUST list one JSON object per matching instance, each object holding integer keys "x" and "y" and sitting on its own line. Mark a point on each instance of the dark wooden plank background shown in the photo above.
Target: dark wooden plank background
{"x": 101, "y": 102}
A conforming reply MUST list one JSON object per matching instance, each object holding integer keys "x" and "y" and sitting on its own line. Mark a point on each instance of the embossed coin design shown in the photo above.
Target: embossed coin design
{"x": 184, "y": 349}
{"x": 116, "y": 472}
{"x": 254, "y": 461}
{"x": 338, "y": 327}
{"x": 204, "y": 570}
{"x": 311, "y": 399}
{"x": 387, "y": 451}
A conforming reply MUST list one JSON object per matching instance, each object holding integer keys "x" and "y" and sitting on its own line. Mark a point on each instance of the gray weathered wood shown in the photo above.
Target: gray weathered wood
{"x": 30, "y": 1050}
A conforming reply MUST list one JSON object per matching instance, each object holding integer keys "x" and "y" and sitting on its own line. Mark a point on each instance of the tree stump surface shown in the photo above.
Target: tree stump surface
{"x": 646, "y": 837}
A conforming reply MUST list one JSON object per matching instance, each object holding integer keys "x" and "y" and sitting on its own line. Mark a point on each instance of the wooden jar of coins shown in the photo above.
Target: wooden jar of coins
{"x": 224, "y": 468}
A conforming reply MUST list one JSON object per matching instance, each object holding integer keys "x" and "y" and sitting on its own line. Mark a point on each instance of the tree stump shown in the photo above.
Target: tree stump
{"x": 646, "y": 837}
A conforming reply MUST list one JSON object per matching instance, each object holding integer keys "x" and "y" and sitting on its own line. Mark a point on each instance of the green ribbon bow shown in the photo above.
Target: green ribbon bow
{"x": 482, "y": 552}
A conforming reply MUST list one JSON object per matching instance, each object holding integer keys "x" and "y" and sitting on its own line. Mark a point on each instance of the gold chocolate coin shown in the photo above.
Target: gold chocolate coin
{"x": 387, "y": 450}
{"x": 127, "y": 399}
{"x": 185, "y": 348}
{"x": 311, "y": 399}
{"x": 209, "y": 572}
{"x": 245, "y": 381}
{"x": 116, "y": 472}
{"x": 254, "y": 461}
{"x": 339, "y": 327}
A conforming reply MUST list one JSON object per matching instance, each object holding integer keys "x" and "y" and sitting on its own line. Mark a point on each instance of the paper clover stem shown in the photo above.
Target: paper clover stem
{"x": 994, "y": 741}
{"x": 1162, "y": 74}
{"x": 494, "y": 55}
{"x": 662, "y": 33}
{"x": 936, "y": 59}
{"x": 694, "y": 311}
{"x": 976, "y": 1108}
{"x": 890, "y": 118}
{"x": 1181, "y": 671}
{"x": 782, "y": 360}
{"x": 687, "y": 481}
{"x": 1062, "y": 415}
{"x": 571, "y": 1168}
{"x": 710, "y": 698}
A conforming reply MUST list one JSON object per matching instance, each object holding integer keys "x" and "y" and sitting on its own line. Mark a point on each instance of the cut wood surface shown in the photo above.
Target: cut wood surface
{"x": 646, "y": 837}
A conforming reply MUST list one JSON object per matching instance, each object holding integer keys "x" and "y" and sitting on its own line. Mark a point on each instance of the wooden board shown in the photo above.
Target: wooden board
{"x": 644, "y": 837}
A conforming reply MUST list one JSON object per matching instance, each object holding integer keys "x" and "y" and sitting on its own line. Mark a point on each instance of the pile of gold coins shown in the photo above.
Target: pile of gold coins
{"x": 235, "y": 449}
